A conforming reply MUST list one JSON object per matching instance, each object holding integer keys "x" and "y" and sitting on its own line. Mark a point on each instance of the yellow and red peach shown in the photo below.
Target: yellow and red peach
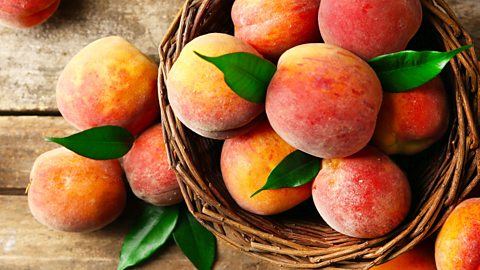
{"x": 421, "y": 257}
{"x": 72, "y": 193}
{"x": 148, "y": 172}
{"x": 272, "y": 27}
{"x": 199, "y": 95}
{"x": 324, "y": 100}
{"x": 369, "y": 28}
{"x": 365, "y": 195}
{"x": 26, "y": 13}
{"x": 409, "y": 122}
{"x": 246, "y": 162}
{"x": 458, "y": 242}
{"x": 109, "y": 82}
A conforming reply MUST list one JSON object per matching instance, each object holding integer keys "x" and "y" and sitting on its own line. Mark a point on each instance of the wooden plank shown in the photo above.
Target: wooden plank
{"x": 468, "y": 12}
{"x": 22, "y": 141}
{"x": 32, "y": 59}
{"x": 26, "y": 244}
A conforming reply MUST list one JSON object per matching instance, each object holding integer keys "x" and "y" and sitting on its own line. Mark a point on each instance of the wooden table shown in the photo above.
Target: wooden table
{"x": 30, "y": 62}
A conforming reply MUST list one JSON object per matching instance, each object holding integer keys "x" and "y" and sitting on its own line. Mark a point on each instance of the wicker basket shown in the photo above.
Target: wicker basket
{"x": 440, "y": 177}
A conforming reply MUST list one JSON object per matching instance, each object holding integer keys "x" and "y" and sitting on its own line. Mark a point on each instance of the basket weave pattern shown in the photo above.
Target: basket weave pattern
{"x": 440, "y": 178}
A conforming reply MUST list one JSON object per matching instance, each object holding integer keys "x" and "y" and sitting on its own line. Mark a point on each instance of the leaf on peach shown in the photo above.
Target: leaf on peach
{"x": 405, "y": 70}
{"x": 246, "y": 74}
{"x": 100, "y": 143}
{"x": 296, "y": 169}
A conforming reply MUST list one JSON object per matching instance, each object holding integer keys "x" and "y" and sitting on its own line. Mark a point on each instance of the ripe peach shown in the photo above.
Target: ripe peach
{"x": 148, "y": 171}
{"x": 26, "y": 13}
{"x": 272, "y": 27}
{"x": 458, "y": 242}
{"x": 246, "y": 162}
{"x": 109, "y": 82}
{"x": 369, "y": 28}
{"x": 324, "y": 100}
{"x": 365, "y": 195}
{"x": 199, "y": 95}
{"x": 409, "y": 122}
{"x": 72, "y": 193}
{"x": 421, "y": 257}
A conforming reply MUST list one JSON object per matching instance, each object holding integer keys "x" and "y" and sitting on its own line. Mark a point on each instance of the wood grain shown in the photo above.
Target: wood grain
{"x": 468, "y": 12}
{"x": 22, "y": 140}
{"x": 26, "y": 244}
{"x": 32, "y": 59}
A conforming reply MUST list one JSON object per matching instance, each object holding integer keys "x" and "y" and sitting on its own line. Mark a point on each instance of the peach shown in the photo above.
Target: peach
{"x": 247, "y": 160}
{"x": 72, "y": 193}
{"x": 148, "y": 171}
{"x": 199, "y": 95}
{"x": 369, "y": 28}
{"x": 458, "y": 242}
{"x": 324, "y": 100}
{"x": 421, "y": 257}
{"x": 26, "y": 13}
{"x": 272, "y": 27}
{"x": 365, "y": 195}
{"x": 409, "y": 122}
{"x": 109, "y": 82}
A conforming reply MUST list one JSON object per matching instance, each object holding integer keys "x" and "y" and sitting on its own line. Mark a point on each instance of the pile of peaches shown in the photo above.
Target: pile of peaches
{"x": 324, "y": 99}
{"x": 109, "y": 82}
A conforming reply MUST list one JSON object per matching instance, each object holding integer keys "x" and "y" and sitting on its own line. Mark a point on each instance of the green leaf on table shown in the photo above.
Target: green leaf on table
{"x": 405, "y": 70}
{"x": 196, "y": 242}
{"x": 247, "y": 75}
{"x": 296, "y": 169}
{"x": 148, "y": 234}
{"x": 100, "y": 143}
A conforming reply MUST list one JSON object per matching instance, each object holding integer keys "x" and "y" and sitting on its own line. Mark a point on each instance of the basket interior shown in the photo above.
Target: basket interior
{"x": 439, "y": 176}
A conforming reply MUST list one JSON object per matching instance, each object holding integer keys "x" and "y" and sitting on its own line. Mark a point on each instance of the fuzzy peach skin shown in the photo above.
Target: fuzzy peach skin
{"x": 365, "y": 195}
{"x": 109, "y": 82}
{"x": 247, "y": 160}
{"x": 272, "y": 27}
{"x": 72, "y": 193}
{"x": 458, "y": 242}
{"x": 324, "y": 100}
{"x": 421, "y": 257}
{"x": 148, "y": 172}
{"x": 369, "y": 28}
{"x": 26, "y": 13}
{"x": 199, "y": 95}
{"x": 409, "y": 122}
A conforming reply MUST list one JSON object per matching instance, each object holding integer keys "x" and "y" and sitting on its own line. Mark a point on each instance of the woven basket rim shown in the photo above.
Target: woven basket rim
{"x": 457, "y": 173}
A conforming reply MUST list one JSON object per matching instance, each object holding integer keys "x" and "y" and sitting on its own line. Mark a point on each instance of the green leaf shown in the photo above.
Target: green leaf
{"x": 402, "y": 71}
{"x": 148, "y": 234}
{"x": 247, "y": 75}
{"x": 294, "y": 170}
{"x": 196, "y": 242}
{"x": 101, "y": 143}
